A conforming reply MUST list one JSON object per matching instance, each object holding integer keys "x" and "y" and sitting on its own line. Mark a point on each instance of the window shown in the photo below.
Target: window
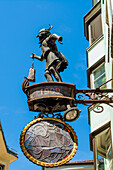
{"x": 102, "y": 148}
{"x": 1, "y": 167}
{"x": 95, "y": 29}
{"x": 99, "y": 76}
{"x": 109, "y": 163}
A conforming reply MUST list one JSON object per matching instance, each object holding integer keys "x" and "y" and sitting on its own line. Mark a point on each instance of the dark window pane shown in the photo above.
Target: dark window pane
{"x": 100, "y": 81}
{"x": 99, "y": 72}
{"x": 96, "y": 28}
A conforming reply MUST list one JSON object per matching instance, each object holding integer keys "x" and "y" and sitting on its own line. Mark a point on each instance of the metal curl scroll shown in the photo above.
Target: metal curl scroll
{"x": 81, "y": 97}
{"x": 98, "y": 109}
{"x": 51, "y": 115}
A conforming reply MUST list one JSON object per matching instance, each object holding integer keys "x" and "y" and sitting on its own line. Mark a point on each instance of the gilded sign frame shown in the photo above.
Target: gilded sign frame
{"x": 35, "y": 161}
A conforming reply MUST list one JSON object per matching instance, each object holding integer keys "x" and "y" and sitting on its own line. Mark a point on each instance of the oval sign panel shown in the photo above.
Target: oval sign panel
{"x": 48, "y": 142}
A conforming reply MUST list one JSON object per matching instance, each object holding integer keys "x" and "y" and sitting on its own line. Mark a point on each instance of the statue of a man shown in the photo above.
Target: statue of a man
{"x": 55, "y": 61}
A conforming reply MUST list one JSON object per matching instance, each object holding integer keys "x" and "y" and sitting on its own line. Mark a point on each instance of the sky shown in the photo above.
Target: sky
{"x": 21, "y": 20}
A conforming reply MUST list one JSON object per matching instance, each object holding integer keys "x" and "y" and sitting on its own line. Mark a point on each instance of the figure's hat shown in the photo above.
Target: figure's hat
{"x": 44, "y": 30}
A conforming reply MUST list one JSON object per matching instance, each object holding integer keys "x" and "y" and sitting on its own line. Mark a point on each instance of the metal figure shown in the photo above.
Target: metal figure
{"x": 55, "y": 61}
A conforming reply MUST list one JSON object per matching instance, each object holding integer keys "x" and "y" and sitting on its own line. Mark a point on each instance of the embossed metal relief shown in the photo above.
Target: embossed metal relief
{"x": 48, "y": 142}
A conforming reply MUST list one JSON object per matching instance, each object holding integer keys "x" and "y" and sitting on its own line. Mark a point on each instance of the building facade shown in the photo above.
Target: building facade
{"x": 98, "y": 31}
{"x": 7, "y": 155}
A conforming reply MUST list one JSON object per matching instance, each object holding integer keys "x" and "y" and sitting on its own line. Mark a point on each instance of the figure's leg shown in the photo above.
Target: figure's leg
{"x": 55, "y": 74}
{"x": 48, "y": 76}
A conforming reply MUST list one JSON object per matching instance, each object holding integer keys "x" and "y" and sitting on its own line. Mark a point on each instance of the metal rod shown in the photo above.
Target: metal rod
{"x": 93, "y": 91}
{"x": 93, "y": 101}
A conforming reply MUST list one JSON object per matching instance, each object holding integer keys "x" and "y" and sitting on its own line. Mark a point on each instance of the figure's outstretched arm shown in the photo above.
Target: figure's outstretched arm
{"x": 37, "y": 57}
{"x": 54, "y": 37}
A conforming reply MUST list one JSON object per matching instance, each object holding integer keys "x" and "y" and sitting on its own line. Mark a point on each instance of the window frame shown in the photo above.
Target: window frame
{"x": 93, "y": 140}
{"x": 99, "y": 75}
{"x": 108, "y": 149}
{"x": 90, "y": 28}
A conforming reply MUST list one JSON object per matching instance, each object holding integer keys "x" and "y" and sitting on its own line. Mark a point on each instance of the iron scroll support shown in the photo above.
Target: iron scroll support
{"x": 94, "y": 96}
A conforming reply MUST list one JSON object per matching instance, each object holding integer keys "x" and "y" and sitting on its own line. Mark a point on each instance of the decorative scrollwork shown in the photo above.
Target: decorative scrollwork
{"x": 51, "y": 115}
{"x": 81, "y": 97}
{"x": 91, "y": 95}
{"x": 94, "y": 96}
{"x": 103, "y": 95}
{"x": 98, "y": 109}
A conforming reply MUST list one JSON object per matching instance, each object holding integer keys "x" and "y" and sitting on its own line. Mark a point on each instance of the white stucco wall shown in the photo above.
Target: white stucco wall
{"x": 97, "y": 120}
{"x": 95, "y": 52}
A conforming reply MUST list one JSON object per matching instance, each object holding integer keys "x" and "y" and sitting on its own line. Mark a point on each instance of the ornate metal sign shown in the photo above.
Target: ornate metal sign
{"x": 48, "y": 142}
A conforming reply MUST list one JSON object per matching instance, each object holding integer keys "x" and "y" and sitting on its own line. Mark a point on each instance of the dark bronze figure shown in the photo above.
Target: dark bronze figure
{"x": 55, "y": 61}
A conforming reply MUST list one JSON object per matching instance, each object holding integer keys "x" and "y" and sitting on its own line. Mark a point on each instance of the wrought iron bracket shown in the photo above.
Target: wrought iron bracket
{"x": 90, "y": 97}
{"x": 94, "y": 96}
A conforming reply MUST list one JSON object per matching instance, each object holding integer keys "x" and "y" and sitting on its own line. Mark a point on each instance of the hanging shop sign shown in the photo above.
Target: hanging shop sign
{"x": 48, "y": 142}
